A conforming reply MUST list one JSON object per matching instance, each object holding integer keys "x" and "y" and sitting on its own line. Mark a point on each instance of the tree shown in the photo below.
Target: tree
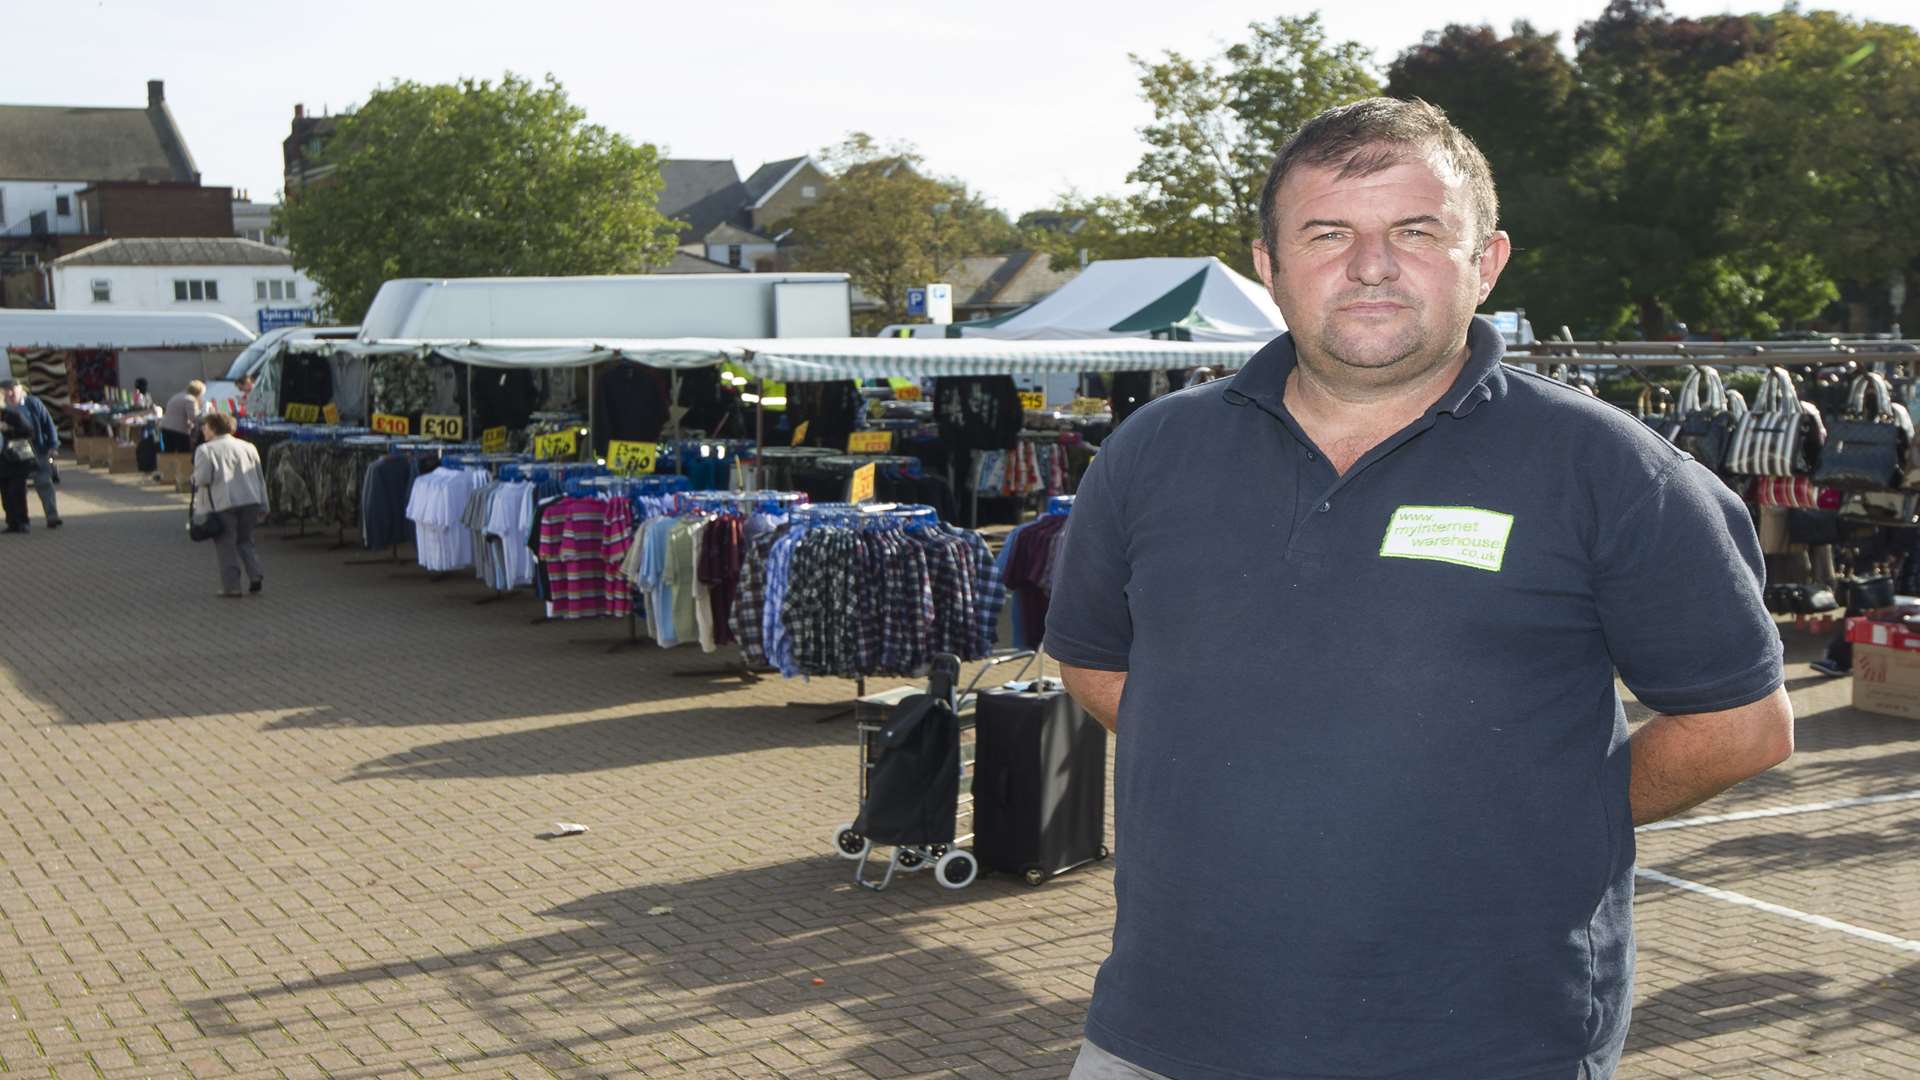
{"x": 1217, "y": 124}
{"x": 889, "y": 226}
{"x": 473, "y": 179}
{"x": 1824, "y": 123}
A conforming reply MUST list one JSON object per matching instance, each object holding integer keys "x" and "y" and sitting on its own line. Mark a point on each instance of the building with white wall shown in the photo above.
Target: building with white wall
{"x": 252, "y": 283}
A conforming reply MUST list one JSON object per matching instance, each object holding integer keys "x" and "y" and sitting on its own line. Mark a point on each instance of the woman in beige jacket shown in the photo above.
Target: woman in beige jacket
{"x": 228, "y": 470}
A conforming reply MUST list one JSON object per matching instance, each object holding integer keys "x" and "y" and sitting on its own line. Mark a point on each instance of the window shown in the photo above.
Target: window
{"x": 102, "y": 291}
{"x": 733, "y": 254}
{"x": 63, "y": 205}
{"x": 264, "y": 290}
{"x": 808, "y": 191}
{"x": 252, "y": 234}
{"x": 189, "y": 290}
{"x": 259, "y": 290}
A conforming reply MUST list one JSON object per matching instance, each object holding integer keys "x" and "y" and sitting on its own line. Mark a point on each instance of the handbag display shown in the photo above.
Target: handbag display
{"x": 1799, "y": 599}
{"x": 1793, "y": 493}
{"x": 1775, "y": 438}
{"x": 1866, "y": 449}
{"x": 1706, "y": 424}
{"x": 1657, "y": 412}
{"x": 202, "y": 528}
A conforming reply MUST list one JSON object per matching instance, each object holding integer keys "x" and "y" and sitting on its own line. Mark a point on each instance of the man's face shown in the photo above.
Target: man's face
{"x": 1378, "y": 276}
{"x": 15, "y": 395}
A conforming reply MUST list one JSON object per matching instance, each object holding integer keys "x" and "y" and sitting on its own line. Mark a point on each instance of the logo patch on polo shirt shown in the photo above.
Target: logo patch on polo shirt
{"x": 1461, "y": 535}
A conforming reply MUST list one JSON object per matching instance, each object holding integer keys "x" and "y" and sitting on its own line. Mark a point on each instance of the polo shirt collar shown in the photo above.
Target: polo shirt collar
{"x": 1264, "y": 378}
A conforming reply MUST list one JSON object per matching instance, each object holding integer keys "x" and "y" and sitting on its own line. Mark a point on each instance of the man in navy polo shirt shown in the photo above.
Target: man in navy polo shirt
{"x": 1366, "y": 601}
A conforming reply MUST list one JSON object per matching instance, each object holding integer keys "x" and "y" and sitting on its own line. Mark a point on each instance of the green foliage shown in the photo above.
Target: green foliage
{"x": 473, "y": 179}
{"x": 888, "y": 226}
{"x": 1216, "y": 125}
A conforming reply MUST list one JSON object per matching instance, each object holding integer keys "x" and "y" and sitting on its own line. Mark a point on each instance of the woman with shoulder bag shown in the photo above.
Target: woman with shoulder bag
{"x": 228, "y": 470}
{"x": 17, "y": 465}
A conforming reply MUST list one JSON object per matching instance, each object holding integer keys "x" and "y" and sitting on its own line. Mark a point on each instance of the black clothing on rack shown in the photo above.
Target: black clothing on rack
{"x": 630, "y": 405}
{"x": 503, "y": 398}
{"x": 978, "y": 412}
{"x": 829, "y": 409}
{"x": 305, "y": 379}
{"x": 707, "y": 404}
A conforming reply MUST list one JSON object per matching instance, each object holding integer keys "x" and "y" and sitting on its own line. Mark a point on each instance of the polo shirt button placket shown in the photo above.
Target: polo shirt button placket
{"x": 1325, "y": 506}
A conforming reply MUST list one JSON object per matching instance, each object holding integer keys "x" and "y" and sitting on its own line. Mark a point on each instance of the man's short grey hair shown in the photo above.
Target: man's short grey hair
{"x": 1374, "y": 135}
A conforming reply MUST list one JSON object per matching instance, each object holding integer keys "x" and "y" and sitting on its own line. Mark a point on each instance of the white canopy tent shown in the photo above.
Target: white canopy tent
{"x": 1197, "y": 299}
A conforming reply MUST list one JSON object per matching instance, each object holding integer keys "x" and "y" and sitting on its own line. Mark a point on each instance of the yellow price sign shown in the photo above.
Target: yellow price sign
{"x": 493, "y": 440}
{"x": 906, "y": 393}
{"x": 1033, "y": 399}
{"x": 860, "y": 489}
{"x": 800, "y": 433}
{"x": 389, "y": 424}
{"x": 556, "y": 444}
{"x": 303, "y": 414}
{"x": 450, "y": 428}
{"x": 331, "y": 414}
{"x": 631, "y": 458}
{"x": 869, "y": 442}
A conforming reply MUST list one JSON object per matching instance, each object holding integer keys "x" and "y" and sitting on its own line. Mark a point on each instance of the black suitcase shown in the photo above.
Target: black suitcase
{"x": 1039, "y": 784}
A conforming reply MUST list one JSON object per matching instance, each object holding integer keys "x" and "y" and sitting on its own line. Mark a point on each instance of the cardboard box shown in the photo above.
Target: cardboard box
{"x": 1886, "y": 668}
{"x": 90, "y": 449}
{"x": 123, "y": 458}
{"x": 175, "y": 469}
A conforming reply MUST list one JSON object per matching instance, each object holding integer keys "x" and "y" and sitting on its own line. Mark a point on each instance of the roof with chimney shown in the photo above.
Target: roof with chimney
{"x": 77, "y": 142}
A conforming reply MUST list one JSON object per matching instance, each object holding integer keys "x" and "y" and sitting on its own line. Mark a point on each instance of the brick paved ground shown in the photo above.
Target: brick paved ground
{"x": 298, "y": 835}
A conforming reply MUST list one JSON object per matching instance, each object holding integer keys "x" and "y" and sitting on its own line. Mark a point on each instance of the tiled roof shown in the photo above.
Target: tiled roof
{"x": 178, "y": 251}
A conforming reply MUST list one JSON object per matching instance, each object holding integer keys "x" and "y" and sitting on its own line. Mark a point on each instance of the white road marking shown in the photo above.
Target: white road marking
{"x": 1903, "y": 944}
{"x": 1778, "y": 811}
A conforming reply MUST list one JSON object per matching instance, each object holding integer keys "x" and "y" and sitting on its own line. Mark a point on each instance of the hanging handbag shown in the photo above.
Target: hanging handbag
{"x": 1774, "y": 438}
{"x": 1656, "y": 411}
{"x": 1866, "y": 449}
{"x": 17, "y": 459}
{"x": 1706, "y": 427}
{"x": 202, "y": 528}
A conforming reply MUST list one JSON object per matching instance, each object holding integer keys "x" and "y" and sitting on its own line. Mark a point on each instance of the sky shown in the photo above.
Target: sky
{"x": 1022, "y": 101}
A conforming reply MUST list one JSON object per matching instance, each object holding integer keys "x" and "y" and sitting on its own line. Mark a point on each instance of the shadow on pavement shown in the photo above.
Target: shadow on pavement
{"x": 608, "y": 743}
{"x": 628, "y": 974}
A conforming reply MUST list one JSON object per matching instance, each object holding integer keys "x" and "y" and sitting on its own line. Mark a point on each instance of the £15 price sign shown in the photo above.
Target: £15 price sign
{"x": 631, "y": 458}
{"x": 1033, "y": 399}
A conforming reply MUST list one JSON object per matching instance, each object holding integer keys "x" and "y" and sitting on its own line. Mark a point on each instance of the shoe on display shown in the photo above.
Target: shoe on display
{"x": 1830, "y": 669}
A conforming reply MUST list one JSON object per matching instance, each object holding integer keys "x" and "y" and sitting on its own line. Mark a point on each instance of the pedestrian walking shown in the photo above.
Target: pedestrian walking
{"x": 228, "y": 470}
{"x": 16, "y": 464}
{"x": 1375, "y": 792}
{"x": 46, "y": 441}
{"x": 179, "y": 418}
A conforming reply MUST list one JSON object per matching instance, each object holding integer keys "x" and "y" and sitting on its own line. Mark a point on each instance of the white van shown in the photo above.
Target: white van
{"x": 255, "y": 356}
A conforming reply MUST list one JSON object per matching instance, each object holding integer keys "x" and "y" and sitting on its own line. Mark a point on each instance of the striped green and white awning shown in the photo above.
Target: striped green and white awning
{"x": 827, "y": 359}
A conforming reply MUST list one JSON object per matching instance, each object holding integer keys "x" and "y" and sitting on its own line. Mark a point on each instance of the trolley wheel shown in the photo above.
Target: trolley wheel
{"x": 956, "y": 869}
{"x": 850, "y": 844}
{"x": 908, "y": 859}
{"x": 1101, "y": 852}
{"x": 1036, "y": 876}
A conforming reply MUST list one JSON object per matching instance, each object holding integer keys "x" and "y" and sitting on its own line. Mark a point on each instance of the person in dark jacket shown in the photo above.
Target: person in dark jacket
{"x": 46, "y": 440}
{"x": 16, "y": 436}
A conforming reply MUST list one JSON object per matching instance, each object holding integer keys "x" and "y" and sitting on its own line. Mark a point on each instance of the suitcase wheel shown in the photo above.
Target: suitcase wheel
{"x": 956, "y": 869}
{"x": 850, "y": 844}
{"x": 908, "y": 858}
{"x": 1036, "y": 877}
{"x": 1101, "y": 852}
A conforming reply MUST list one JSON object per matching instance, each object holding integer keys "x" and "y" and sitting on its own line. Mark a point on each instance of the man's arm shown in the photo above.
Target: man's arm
{"x": 1682, "y": 761}
{"x": 1097, "y": 691}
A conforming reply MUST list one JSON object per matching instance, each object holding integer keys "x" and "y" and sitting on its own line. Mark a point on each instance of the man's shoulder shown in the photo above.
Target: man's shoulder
{"x": 1195, "y": 409}
{"x": 1556, "y": 413}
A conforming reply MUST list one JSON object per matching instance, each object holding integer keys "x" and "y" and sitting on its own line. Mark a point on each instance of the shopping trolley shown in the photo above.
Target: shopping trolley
{"x": 916, "y": 772}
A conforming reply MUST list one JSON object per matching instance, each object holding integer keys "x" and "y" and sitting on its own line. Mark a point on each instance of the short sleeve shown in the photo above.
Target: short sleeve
{"x": 1088, "y": 621}
{"x": 1679, "y": 586}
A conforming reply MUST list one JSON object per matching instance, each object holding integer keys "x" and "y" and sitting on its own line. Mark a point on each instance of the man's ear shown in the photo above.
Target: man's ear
{"x": 1263, "y": 264}
{"x": 1493, "y": 260}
